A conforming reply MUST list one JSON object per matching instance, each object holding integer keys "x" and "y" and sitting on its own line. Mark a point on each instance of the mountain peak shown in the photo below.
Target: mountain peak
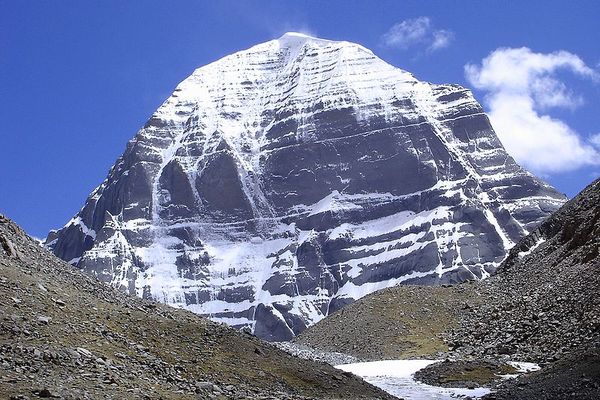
{"x": 299, "y": 39}
{"x": 290, "y": 35}
{"x": 283, "y": 181}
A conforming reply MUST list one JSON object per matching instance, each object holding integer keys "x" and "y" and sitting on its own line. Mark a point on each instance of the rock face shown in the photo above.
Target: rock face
{"x": 282, "y": 182}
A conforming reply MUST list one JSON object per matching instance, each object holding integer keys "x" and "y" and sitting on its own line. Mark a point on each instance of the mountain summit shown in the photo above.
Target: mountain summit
{"x": 282, "y": 182}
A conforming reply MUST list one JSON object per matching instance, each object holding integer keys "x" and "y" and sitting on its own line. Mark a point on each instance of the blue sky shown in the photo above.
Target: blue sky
{"x": 79, "y": 78}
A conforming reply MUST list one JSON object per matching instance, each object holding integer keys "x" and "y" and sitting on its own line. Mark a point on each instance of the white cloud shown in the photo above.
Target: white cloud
{"x": 417, "y": 31}
{"x": 595, "y": 140}
{"x": 441, "y": 39}
{"x": 522, "y": 86}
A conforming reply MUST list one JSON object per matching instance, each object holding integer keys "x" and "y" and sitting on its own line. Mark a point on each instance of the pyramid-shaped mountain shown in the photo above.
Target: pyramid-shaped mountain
{"x": 282, "y": 182}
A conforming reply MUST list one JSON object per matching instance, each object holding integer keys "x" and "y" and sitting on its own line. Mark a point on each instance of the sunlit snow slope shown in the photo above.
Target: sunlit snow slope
{"x": 280, "y": 183}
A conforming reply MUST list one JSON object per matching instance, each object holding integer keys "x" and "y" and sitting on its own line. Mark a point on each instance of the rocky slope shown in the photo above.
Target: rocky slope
{"x": 543, "y": 305}
{"x": 65, "y": 335}
{"x": 396, "y": 323}
{"x": 575, "y": 376}
{"x": 545, "y": 300}
{"x": 282, "y": 182}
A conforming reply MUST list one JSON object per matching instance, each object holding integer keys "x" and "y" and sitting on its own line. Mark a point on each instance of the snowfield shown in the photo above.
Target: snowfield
{"x": 396, "y": 378}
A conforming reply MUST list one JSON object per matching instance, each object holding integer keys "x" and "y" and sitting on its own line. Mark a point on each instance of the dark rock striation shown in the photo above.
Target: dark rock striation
{"x": 283, "y": 182}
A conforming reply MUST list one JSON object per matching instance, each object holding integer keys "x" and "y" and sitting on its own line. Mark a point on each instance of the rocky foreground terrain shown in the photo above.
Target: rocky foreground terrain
{"x": 66, "y": 335}
{"x": 543, "y": 305}
{"x": 574, "y": 376}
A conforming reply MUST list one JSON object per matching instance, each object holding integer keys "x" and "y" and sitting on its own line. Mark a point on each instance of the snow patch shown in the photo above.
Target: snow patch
{"x": 397, "y": 378}
{"x": 532, "y": 248}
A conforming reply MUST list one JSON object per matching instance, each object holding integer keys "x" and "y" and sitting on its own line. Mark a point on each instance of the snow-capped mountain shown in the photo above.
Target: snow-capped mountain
{"x": 282, "y": 182}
